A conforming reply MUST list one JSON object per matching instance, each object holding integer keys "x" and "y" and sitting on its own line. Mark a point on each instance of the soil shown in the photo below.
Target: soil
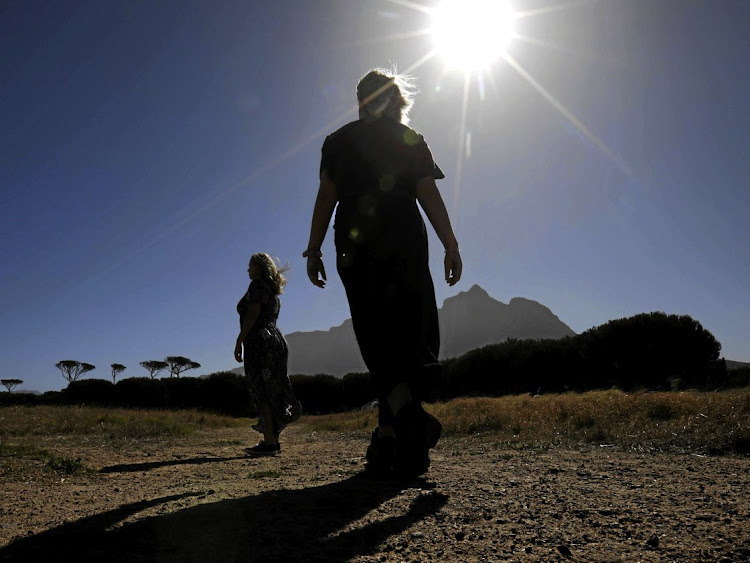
{"x": 199, "y": 499}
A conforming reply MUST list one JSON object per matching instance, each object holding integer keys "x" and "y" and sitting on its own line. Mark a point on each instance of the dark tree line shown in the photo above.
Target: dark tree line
{"x": 648, "y": 351}
{"x": 223, "y": 392}
{"x": 72, "y": 370}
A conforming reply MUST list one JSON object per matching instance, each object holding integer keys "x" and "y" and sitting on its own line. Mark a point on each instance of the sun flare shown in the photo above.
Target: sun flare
{"x": 472, "y": 34}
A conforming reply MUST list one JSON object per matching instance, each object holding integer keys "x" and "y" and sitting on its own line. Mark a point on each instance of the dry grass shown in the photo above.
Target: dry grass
{"x": 687, "y": 421}
{"x": 354, "y": 421}
{"x": 114, "y": 424}
{"x": 39, "y": 434}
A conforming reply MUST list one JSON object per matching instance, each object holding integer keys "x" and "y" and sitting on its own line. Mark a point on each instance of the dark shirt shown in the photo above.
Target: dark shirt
{"x": 376, "y": 165}
{"x": 260, "y": 292}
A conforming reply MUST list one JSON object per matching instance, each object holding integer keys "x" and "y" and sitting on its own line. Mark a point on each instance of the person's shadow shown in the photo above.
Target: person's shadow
{"x": 312, "y": 524}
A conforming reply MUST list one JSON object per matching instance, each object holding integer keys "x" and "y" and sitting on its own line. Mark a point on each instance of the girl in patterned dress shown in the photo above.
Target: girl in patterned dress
{"x": 265, "y": 354}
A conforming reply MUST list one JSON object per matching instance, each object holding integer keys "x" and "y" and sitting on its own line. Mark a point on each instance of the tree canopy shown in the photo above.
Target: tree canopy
{"x": 154, "y": 367}
{"x": 179, "y": 364}
{"x": 10, "y": 384}
{"x": 71, "y": 369}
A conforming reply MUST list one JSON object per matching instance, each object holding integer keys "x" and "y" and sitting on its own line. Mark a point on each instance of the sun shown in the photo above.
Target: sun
{"x": 472, "y": 34}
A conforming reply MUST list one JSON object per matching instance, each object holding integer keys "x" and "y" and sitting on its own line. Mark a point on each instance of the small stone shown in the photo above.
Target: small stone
{"x": 417, "y": 535}
{"x": 564, "y": 550}
{"x": 527, "y": 549}
{"x": 460, "y": 535}
{"x": 653, "y": 541}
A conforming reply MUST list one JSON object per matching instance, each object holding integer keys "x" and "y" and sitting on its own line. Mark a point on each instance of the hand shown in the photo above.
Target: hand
{"x": 238, "y": 351}
{"x": 316, "y": 268}
{"x": 453, "y": 266}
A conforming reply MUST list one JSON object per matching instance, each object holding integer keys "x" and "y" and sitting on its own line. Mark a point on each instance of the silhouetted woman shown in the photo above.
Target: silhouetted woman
{"x": 265, "y": 354}
{"x": 376, "y": 169}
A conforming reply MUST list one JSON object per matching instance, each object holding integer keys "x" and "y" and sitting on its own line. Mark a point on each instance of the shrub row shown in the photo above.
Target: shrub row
{"x": 223, "y": 392}
{"x": 651, "y": 351}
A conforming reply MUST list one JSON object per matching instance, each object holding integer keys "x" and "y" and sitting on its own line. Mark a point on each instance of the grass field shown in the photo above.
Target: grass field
{"x": 26, "y": 432}
{"x": 117, "y": 424}
{"x": 714, "y": 423}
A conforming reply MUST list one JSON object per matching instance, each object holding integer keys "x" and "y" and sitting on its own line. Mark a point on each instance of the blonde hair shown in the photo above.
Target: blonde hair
{"x": 271, "y": 273}
{"x": 385, "y": 92}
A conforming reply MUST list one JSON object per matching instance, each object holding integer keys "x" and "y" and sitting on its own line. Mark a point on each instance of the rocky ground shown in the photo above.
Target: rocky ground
{"x": 199, "y": 499}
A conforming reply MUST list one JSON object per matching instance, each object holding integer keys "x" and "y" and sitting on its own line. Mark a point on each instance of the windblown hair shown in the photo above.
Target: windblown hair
{"x": 270, "y": 272}
{"x": 385, "y": 92}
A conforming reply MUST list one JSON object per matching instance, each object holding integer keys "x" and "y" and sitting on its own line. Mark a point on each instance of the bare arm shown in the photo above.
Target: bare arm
{"x": 325, "y": 203}
{"x": 431, "y": 201}
{"x": 253, "y": 310}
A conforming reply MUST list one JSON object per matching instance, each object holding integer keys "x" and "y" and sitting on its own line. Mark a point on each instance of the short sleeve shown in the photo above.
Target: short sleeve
{"x": 327, "y": 157}
{"x": 424, "y": 165}
{"x": 256, "y": 293}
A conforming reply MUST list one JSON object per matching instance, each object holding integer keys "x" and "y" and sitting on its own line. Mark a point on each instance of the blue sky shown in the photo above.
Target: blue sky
{"x": 147, "y": 149}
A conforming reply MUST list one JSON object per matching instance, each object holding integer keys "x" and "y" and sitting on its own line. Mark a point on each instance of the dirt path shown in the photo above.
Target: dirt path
{"x": 198, "y": 499}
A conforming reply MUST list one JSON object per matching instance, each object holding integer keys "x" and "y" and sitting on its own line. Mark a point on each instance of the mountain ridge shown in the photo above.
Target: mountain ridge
{"x": 468, "y": 320}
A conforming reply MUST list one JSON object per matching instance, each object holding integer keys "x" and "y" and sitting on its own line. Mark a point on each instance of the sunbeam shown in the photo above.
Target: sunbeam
{"x": 461, "y": 144}
{"x": 412, "y": 5}
{"x": 551, "y": 9}
{"x": 567, "y": 114}
{"x": 566, "y": 50}
{"x": 386, "y": 38}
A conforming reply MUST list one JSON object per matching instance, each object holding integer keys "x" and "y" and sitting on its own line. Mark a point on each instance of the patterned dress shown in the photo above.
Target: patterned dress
{"x": 266, "y": 356}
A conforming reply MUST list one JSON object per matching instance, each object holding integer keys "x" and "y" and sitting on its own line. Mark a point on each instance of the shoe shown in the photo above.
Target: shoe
{"x": 417, "y": 431}
{"x": 380, "y": 453}
{"x": 261, "y": 449}
{"x": 433, "y": 429}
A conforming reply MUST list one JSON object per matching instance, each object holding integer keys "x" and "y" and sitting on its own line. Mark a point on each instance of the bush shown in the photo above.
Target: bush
{"x": 652, "y": 351}
{"x": 320, "y": 393}
{"x": 357, "y": 389}
{"x": 89, "y": 392}
{"x": 141, "y": 392}
{"x": 10, "y": 399}
{"x": 50, "y": 398}
{"x": 183, "y": 392}
{"x": 226, "y": 392}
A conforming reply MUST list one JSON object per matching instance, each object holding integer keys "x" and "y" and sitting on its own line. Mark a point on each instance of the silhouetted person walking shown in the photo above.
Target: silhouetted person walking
{"x": 376, "y": 169}
{"x": 265, "y": 354}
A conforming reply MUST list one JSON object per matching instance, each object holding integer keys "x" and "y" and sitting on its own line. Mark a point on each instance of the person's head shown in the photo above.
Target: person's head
{"x": 384, "y": 92}
{"x": 262, "y": 267}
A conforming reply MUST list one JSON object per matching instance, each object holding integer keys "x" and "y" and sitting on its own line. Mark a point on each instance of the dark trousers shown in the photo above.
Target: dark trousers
{"x": 395, "y": 320}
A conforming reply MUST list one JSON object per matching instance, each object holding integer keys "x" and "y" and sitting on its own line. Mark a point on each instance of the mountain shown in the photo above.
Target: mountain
{"x": 468, "y": 320}
{"x": 334, "y": 351}
{"x": 472, "y": 319}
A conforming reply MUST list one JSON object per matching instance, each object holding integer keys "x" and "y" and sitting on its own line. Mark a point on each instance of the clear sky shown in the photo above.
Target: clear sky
{"x": 147, "y": 149}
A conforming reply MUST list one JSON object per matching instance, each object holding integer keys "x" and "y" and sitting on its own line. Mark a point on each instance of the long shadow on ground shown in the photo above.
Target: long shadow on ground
{"x": 133, "y": 467}
{"x": 284, "y": 525}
